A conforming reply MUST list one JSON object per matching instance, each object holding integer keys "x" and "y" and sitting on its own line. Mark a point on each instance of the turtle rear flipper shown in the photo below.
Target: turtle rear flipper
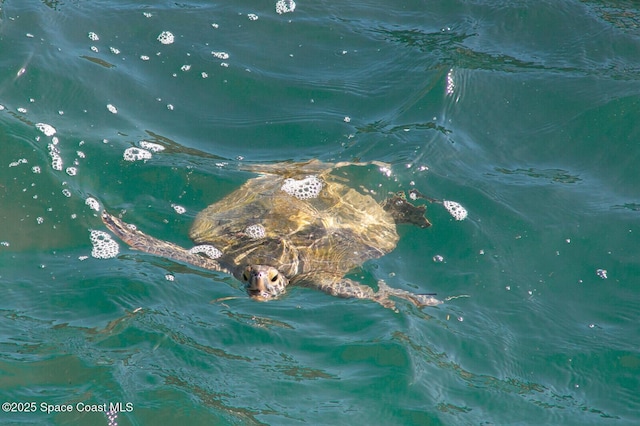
{"x": 403, "y": 211}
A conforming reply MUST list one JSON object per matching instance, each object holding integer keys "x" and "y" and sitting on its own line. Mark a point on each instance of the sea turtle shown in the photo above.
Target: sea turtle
{"x": 298, "y": 224}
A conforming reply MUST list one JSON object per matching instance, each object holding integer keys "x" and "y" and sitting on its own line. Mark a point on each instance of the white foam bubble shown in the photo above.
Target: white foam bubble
{"x": 206, "y": 249}
{"x": 303, "y": 189}
{"x": 72, "y": 171}
{"x": 54, "y": 153}
{"x": 114, "y": 50}
{"x": 136, "y": 154}
{"x": 178, "y": 209}
{"x": 602, "y": 273}
{"x": 18, "y": 162}
{"x": 255, "y": 232}
{"x": 220, "y": 55}
{"x": 285, "y": 6}
{"x": 455, "y": 209}
{"x": 165, "y": 37}
{"x": 385, "y": 171}
{"x": 112, "y": 109}
{"x": 47, "y": 129}
{"x": 93, "y": 36}
{"x": 450, "y": 83}
{"x": 92, "y": 203}
{"x": 150, "y": 146}
{"x": 252, "y": 17}
{"x": 104, "y": 247}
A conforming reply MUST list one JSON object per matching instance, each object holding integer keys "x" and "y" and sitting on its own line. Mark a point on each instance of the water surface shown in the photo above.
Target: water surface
{"x": 525, "y": 112}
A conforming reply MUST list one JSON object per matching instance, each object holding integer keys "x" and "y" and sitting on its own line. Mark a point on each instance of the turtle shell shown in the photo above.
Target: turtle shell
{"x": 302, "y": 225}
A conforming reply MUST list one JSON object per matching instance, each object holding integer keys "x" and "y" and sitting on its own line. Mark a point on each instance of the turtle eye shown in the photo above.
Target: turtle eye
{"x": 274, "y": 278}
{"x": 245, "y": 276}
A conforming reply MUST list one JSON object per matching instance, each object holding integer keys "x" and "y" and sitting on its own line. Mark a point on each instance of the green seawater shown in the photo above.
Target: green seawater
{"x": 525, "y": 112}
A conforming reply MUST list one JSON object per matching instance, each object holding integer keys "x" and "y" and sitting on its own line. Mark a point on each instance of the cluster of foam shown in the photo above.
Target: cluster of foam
{"x": 455, "y": 209}
{"x": 303, "y": 189}
{"x": 450, "y": 83}
{"x": 166, "y": 37}
{"x": 179, "y": 209}
{"x": 104, "y": 247}
{"x": 220, "y": 55}
{"x": 112, "y": 414}
{"x": 112, "y": 109}
{"x": 385, "y": 171}
{"x": 54, "y": 153}
{"x": 92, "y": 203}
{"x": 285, "y": 6}
{"x": 150, "y": 146}
{"x": 602, "y": 273}
{"x": 252, "y": 17}
{"x": 207, "y": 249}
{"x": 136, "y": 154}
{"x": 47, "y": 129}
{"x": 18, "y": 162}
{"x": 255, "y": 232}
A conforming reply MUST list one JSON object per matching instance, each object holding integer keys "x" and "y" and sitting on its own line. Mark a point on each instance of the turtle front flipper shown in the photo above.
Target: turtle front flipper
{"x": 143, "y": 242}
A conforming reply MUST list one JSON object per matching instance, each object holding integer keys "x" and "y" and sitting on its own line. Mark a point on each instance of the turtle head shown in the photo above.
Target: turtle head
{"x": 264, "y": 282}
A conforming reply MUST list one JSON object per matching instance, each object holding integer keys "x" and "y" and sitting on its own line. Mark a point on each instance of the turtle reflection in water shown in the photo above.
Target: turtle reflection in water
{"x": 294, "y": 224}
